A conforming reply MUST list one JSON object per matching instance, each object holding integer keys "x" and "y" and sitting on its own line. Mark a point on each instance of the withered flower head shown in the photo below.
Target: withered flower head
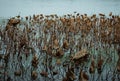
{"x": 56, "y": 44}
{"x": 35, "y": 61}
{"x": 26, "y": 17}
{"x": 14, "y": 22}
{"x": 44, "y": 74}
{"x": 70, "y": 76}
{"x": 6, "y": 57}
{"x": 17, "y": 73}
{"x": 44, "y": 48}
{"x": 78, "y": 14}
{"x": 59, "y": 53}
{"x": 1, "y": 56}
{"x": 99, "y": 65}
{"x": 34, "y": 75}
{"x": 55, "y": 72}
{"x": 92, "y": 66}
{"x": 65, "y": 44}
{"x": 118, "y": 68}
{"x": 110, "y": 14}
{"x": 101, "y": 14}
{"x": 58, "y": 62}
{"x": 18, "y": 16}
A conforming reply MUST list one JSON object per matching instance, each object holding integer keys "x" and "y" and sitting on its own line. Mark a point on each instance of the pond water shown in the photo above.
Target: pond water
{"x": 9, "y": 8}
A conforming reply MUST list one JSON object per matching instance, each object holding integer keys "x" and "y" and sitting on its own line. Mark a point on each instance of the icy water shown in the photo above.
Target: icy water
{"x": 10, "y": 8}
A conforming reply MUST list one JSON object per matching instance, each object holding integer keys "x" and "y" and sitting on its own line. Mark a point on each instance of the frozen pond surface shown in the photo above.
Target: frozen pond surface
{"x": 10, "y": 8}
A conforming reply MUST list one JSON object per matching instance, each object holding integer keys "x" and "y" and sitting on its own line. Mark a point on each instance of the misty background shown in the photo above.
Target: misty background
{"x": 9, "y": 8}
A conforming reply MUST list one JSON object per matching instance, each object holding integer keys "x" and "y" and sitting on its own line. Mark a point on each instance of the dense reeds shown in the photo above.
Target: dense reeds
{"x": 60, "y": 48}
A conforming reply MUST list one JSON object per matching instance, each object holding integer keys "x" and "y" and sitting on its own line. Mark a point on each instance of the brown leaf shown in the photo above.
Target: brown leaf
{"x": 92, "y": 67}
{"x": 83, "y": 76}
{"x": 80, "y": 54}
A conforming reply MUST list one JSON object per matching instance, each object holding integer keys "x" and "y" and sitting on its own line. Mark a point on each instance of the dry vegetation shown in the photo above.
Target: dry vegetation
{"x": 54, "y": 48}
